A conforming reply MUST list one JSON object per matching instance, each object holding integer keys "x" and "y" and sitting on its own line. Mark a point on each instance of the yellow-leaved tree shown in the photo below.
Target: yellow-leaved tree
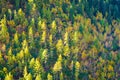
{"x": 38, "y": 77}
{"x": 29, "y": 77}
{"x": 9, "y": 76}
{"x": 59, "y": 45}
{"x": 38, "y": 68}
{"x": 77, "y": 70}
{"x": 49, "y": 77}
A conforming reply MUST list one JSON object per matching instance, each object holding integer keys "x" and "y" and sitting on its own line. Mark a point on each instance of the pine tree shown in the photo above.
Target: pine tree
{"x": 10, "y": 13}
{"x": 9, "y": 76}
{"x": 66, "y": 50}
{"x": 20, "y": 16}
{"x": 38, "y": 67}
{"x": 53, "y": 27}
{"x": 39, "y": 26}
{"x": 38, "y": 77}
{"x": 66, "y": 38}
{"x": 32, "y": 62}
{"x": 20, "y": 55}
{"x": 4, "y": 35}
{"x": 31, "y": 38}
{"x": 51, "y": 40}
{"x": 59, "y": 45}
{"x": 43, "y": 26}
{"x": 61, "y": 76}
{"x": 77, "y": 68}
{"x": 27, "y": 53}
{"x": 43, "y": 38}
{"x": 49, "y": 77}
{"x": 58, "y": 65}
{"x": 75, "y": 38}
{"x": 45, "y": 55}
{"x": 25, "y": 72}
{"x": 28, "y": 77}
{"x": 24, "y": 44}
{"x": 16, "y": 39}
{"x": 1, "y": 59}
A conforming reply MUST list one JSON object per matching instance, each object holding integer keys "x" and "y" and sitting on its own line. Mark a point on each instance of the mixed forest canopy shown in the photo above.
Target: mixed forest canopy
{"x": 60, "y": 39}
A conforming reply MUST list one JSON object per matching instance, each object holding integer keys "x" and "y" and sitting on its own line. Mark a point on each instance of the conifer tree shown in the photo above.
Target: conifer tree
{"x": 10, "y": 13}
{"x": 43, "y": 38}
{"x": 75, "y": 37}
{"x": 61, "y": 76}
{"x": 49, "y": 77}
{"x": 1, "y": 59}
{"x": 28, "y": 77}
{"x": 66, "y": 50}
{"x": 43, "y": 25}
{"x": 25, "y": 72}
{"x": 45, "y": 55}
{"x": 32, "y": 62}
{"x": 9, "y": 76}
{"x": 51, "y": 40}
{"x": 53, "y": 27}
{"x": 4, "y": 35}
{"x": 38, "y": 67}
{"x": 58, "y": 65}
{"x": 59, "y": 45}
{"x": 38, "y": 77}
{"x": 20, "y": 55}
{"x": 16, "y": 39}
{"x": 77, "y": 68}
{"x": 39, "y": 26}
{"x": 31, "y": 38}
{"x": 66, "y": 38}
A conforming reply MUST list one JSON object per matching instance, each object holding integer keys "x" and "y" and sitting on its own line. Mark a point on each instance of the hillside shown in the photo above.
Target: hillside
{"x": 59, "y": 39}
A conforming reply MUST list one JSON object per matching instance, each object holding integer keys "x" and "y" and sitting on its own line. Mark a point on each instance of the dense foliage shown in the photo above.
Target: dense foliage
{"x": 60, "y": 39}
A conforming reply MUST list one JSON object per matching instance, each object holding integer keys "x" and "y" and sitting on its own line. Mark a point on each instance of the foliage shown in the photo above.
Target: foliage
{"x": 59, "y": 40}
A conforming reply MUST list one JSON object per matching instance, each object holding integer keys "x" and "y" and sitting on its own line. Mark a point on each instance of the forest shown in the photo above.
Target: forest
{"x": 59, "y": 39}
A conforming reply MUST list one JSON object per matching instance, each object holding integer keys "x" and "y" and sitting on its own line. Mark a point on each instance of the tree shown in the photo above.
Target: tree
{"x": 44, "y": 55}
{"x": 38, "y": 77}
{"x": 31, "y": 63}
{"x": 53, "y": 27}
{"x": 51, "y": 40}
{"x": 66, "y": 38}
{"x": 66, "y": 50}
{"x": 77, "y": 68}
{"x": 16, "y": 39}
{"x": 38, "y": 69}
{"x": 75, "y": 38}
{"x": 9, "y": 76}
{"x": 28, "y": 77}
{"x": 49, "y": 77}
{"x": 4, "y": 35}
{"x": 31, "y": 38}
{"x": 61, "y": 76}
{"x": 43, "y": 38}
{"x": 25, "y": 72}
{"x": 59, "y": 45}
{"x": 58, "y": 65}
